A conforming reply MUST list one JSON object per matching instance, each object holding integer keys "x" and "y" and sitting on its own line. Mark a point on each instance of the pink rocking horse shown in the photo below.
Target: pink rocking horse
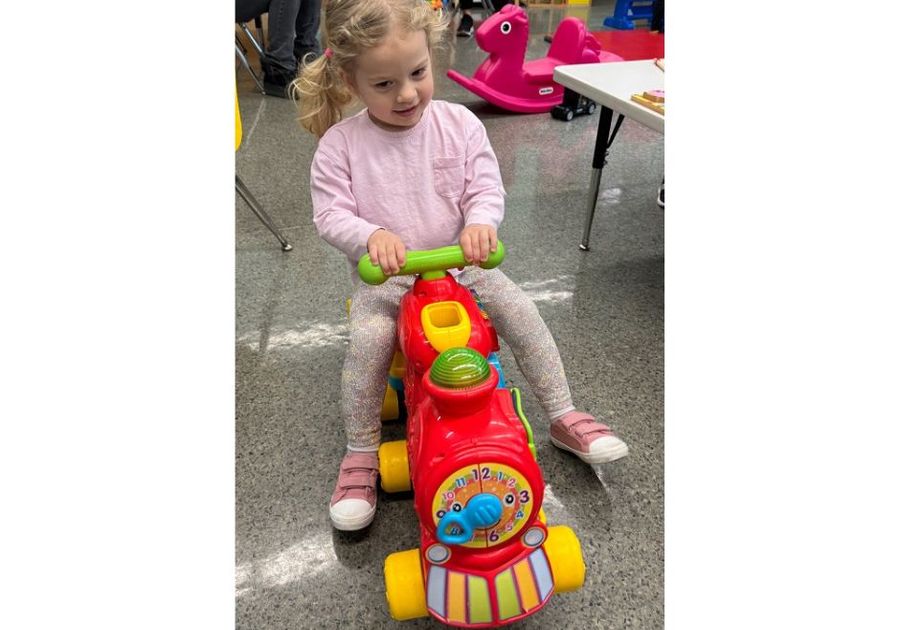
{"x": 504, "y": 78}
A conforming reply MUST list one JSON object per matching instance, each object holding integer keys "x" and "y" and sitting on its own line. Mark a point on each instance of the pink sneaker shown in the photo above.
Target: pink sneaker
{"x": 353, "y": 501}
{"x": 581, "y": 434}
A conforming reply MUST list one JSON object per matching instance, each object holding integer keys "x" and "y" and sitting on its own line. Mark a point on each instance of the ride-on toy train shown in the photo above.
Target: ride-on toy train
{"x": 487, "y": 557}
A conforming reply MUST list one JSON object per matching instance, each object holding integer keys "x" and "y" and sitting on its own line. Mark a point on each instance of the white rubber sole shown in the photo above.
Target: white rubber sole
{"x": 352, "y": 523}
{"x": 615, "y": 451}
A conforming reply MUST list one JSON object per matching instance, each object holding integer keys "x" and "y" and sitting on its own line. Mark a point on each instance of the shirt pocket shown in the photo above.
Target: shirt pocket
{"x": 449, "y": 176}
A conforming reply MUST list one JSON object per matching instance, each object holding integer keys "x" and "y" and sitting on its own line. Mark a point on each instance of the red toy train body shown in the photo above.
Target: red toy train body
{"x": 487, "y": 558}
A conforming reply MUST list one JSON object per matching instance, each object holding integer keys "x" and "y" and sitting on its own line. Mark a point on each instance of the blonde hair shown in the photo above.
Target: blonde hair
{"x": 349, "y": 28}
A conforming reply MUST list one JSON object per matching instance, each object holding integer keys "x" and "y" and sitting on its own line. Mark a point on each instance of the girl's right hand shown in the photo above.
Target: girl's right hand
{"x": 386, "y": 250}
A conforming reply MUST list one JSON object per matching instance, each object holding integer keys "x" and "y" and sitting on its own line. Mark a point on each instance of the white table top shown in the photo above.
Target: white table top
{"x": 612, "y": 84}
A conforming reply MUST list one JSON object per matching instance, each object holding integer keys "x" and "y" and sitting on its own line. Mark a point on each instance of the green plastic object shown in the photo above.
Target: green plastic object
{"x": 456, "y": 368}
{"x": 520, "y": 411}
{"x": 427, "y": 260}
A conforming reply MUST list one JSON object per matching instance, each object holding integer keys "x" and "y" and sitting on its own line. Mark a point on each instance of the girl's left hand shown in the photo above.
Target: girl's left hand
{"x": 478, "y": 241}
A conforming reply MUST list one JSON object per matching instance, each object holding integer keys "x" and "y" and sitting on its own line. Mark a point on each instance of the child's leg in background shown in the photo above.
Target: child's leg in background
{"x": 519, "y": 323}
{"x": 373, "y": 332}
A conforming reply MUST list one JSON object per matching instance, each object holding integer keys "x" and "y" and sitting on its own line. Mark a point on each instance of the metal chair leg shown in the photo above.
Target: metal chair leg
{"x": 257, "y": 22}
{"x": 246, "y": 63}
{"x": 244, "y": 192}
{"x": 257, "y": 43}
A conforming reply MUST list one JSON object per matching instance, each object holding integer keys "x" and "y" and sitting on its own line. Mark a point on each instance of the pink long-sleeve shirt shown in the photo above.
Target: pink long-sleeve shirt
{"x": 424, "y": 184}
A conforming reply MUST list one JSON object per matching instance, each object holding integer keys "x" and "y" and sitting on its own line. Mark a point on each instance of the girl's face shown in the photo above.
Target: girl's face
{"x": 394, "y": 80}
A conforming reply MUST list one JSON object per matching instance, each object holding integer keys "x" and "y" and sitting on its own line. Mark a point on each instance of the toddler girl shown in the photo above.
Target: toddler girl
{"x": 411, "y": 173}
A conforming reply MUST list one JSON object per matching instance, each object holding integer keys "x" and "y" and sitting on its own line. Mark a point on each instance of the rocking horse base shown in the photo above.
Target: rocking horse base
{"x": 519, "y": 105}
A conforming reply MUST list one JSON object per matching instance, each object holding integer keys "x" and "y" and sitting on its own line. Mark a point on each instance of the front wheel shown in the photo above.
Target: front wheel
{"x": 404, "y": 586}
{"x": 564, "y": 552}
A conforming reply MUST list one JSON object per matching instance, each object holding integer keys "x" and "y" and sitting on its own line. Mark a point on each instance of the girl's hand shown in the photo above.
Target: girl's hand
{"x": 478, "y": 242}
{"x": 387, "y": 250}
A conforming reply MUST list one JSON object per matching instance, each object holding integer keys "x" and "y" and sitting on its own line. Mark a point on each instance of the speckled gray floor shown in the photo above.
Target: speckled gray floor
{"x": 605, "y": 308}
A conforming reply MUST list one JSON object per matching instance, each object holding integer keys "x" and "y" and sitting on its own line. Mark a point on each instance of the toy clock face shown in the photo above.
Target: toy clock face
{"x": 504, "y": 482}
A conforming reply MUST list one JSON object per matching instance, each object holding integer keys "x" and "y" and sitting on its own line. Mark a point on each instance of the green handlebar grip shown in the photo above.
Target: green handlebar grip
{"x": 439, "y": 259}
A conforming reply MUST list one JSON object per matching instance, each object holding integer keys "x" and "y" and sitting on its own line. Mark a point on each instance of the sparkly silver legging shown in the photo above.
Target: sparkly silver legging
{"x": 373, "y": 332}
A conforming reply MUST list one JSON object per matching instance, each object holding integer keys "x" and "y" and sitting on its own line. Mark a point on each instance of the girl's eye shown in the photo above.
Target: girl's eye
{"x": 419, "y": 72}
{"x": 382, "y": 85}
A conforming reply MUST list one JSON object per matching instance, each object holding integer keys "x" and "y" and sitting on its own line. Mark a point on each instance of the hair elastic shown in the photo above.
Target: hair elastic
{"x": 328, "y": 53}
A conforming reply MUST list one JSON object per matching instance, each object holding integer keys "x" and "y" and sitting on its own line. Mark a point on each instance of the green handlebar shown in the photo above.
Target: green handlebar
{"x": 439, "y": 259}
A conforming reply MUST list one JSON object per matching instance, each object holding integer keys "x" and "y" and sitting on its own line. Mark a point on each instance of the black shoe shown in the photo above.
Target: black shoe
{"x": 466, "y": 26}
{"x": 301, "y": 56}
{"x": 277, "y": 80}
{"x": 661, "y": 196}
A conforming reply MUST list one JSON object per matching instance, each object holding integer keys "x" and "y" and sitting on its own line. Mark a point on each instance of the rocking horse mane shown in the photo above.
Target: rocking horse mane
{"x": 492, "y": 40}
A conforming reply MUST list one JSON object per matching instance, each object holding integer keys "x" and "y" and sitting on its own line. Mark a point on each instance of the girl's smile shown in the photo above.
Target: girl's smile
{"x": 407, "y": 112}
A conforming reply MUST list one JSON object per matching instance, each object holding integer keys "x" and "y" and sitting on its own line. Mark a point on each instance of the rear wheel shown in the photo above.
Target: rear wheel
{"x": 404, "y": 586}
{"x": 566, "y": 562}
{"x": 394, "y": 466}
{"x": 390, "y": 407}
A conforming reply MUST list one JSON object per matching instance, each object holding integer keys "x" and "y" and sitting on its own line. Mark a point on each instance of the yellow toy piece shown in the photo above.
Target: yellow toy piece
{"x": 542, "y": 517}
{"x": 398, "y": 365}
{"x": 566, "y": 562}
{"x": 404, "y": 586}
{"x": 390, "y": 408}
{"x": 237, "y": 122}
{"x": 393, "y": 465}
{"x": 654, "y": 99}
{"x": 446, "y": 325}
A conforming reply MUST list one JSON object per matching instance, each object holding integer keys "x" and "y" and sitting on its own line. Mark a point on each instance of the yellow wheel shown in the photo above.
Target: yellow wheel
{"x": 404, "y": 587}
{"x": 394, "y": 466}
{"x": 390, "y": 407}
{"x": 564, "y": 552}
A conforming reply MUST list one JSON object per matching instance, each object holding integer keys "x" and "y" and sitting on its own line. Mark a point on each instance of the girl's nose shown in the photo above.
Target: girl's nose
{"x": 407, "y": 93}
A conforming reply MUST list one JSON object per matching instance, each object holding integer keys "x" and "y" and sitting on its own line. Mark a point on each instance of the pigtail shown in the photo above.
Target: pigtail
{"x": 320, "y": 95}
